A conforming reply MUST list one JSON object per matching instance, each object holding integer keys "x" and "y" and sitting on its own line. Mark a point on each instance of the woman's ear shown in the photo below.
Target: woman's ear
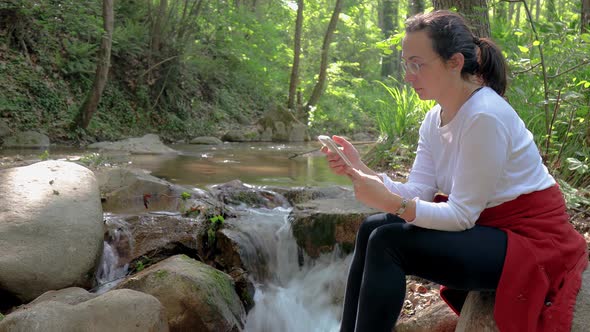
{"x": 456, "y": 62}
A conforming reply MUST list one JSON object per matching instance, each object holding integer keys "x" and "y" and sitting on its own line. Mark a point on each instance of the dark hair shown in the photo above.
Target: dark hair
{"x": 450, "y": 34}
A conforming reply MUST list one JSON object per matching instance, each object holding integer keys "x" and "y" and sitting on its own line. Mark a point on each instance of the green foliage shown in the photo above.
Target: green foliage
{"x": 139, "y": 266}
{"x": 94, "y": 159}
{"x": 215, "y": 223}
{"x": 399, "y": 117}
{"x": 228, "y": 63}
{"x": 559, "y": 122}
{"x": 45, "y": 155}
{"x": 185, "y": 195}
{"x": 79, "y": 59}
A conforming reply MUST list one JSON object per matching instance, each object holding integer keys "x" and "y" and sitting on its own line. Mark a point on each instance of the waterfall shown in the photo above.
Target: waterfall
{"x": 117, "y": 244}
{"x": 290, "y": 297}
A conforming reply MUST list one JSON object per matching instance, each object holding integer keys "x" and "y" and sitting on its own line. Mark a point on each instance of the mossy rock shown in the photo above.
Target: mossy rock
{"x": 197, "y": 297}
{"x": 319, "y": 225}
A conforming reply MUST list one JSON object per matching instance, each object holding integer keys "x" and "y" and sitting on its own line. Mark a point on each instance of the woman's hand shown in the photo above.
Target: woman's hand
{"x": 337, "y": 165}
{"x": 370, "y": 190}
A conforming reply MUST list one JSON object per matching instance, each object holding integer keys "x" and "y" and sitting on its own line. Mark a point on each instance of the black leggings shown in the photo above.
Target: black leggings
{"x": 387, "y": 249}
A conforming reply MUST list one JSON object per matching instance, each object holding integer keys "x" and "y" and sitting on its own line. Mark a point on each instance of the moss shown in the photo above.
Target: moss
{"x": 221, "y": 284}
{"x": 161, "y": 274}
{"x": 1, "y": 317}
{"x": 316, "y": 230}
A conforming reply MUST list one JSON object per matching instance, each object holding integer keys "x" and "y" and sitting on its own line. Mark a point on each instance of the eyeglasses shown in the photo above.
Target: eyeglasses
{"x": 413, "y": 68}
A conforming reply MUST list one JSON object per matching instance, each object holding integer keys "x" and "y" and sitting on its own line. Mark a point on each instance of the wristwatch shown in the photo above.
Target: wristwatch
{"x": 402, "y": 208}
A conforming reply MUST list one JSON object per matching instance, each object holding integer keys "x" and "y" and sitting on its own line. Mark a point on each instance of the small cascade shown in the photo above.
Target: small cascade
{"x": 114, "y": 263}
{"x": 290, "y": 297}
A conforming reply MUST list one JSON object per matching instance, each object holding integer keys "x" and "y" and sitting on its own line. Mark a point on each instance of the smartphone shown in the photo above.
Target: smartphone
{"x": 329, "y": 142}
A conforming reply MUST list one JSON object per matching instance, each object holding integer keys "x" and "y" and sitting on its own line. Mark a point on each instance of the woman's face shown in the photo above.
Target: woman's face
{"x": 425, "y": 69}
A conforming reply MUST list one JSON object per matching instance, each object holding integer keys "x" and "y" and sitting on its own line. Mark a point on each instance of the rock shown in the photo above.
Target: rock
{"x": 321, "y": 224}
{"x": 298, "y": 132}
{"x": 51, "y": 228}
{"x": 239, "y": 249}
{"x": 436, "y": 318}
{"x": 206, "y": 140}
{"x": 74, "y": 310}
{"x": 237, "y": 193}
{"x": 148, "y": 144}
{"x": 298, "y": 195}
{"x": 244, "y": 287}
{"x": 134, "y": 190}
{"x": 196, "y": 296}
{"x": 248, "y": 134}
{"x": 156, "y": 237}
{"x": 581, "y": 321}
{"x": 27, "y": 139}
{"x": 477, "y": 313}
{"x": 280, "y": 132}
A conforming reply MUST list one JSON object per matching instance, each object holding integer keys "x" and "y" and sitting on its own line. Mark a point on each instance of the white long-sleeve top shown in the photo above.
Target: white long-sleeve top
{"x": 482, "y": 158}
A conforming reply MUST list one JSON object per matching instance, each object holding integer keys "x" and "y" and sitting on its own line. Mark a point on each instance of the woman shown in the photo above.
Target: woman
{"x": 504, "y": 226}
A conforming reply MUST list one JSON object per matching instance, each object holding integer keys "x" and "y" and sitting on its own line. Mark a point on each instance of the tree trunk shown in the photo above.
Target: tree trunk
{"x": 319, "y": 87}
{"x": 389, "y": 9}
{"x": 102, "y": 68}
{"x": 503, "y": 11}
{"x": 551, "y": 10}
{"x": 585, "y": 16}
{"x": 474, "y": 11}
{"x": 537, "y": 10}
{"x": 296, "y": 57}
{"x": 158, "y": 27}
{"x": 416, "y": 7}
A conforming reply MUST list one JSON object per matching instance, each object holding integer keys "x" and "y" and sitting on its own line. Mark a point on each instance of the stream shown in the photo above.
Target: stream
{"x": 290, "y": 298}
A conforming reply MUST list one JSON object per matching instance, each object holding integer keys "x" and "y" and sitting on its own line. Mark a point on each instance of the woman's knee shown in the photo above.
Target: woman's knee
{"x": 394, "y": 240}
{"x": 371, "y": 223}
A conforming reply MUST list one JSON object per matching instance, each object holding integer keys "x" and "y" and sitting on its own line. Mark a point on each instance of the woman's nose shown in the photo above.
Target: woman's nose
{"x": 409, "y": 77}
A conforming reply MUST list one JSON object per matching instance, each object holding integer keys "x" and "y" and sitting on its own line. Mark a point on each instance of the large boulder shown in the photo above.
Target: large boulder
{"x": 51, "y": 228}
{"x": 319, "y": 225}
{"x": 155, "y": 237}
{"x": 26, "y": 139}
{"x": 148, "y": 144}
{"x": 133, "y": 190}
{"x": 207, "y": 140}
{"x": 196, "y": 296}
{"x": 76, "y": 310}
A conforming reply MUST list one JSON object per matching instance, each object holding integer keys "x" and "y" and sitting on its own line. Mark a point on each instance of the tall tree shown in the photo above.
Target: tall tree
{"x": 475, "y": 11}
{"x": 389, "y": 9}
{"x": 102, "y": 68}
{"x": 502, "y": 11}
{"x": 415, "y": 7}
{"x": 319, "y": 87}
{"x": 585, "y": 16}
{"x": 296, "y": 57}
{"x": 159, "y": 24}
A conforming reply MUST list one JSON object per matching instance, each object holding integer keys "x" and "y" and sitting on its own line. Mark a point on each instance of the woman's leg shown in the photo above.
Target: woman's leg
{"x": 355, "y": 273}
{"x": 471, "y": 259}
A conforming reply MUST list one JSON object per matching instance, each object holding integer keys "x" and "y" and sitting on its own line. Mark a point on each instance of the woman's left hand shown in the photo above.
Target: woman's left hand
{"x": 370, "y": 190}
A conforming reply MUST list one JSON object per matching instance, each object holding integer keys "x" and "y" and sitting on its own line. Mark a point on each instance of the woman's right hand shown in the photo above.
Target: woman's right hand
{"x": 337, "y": 165}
